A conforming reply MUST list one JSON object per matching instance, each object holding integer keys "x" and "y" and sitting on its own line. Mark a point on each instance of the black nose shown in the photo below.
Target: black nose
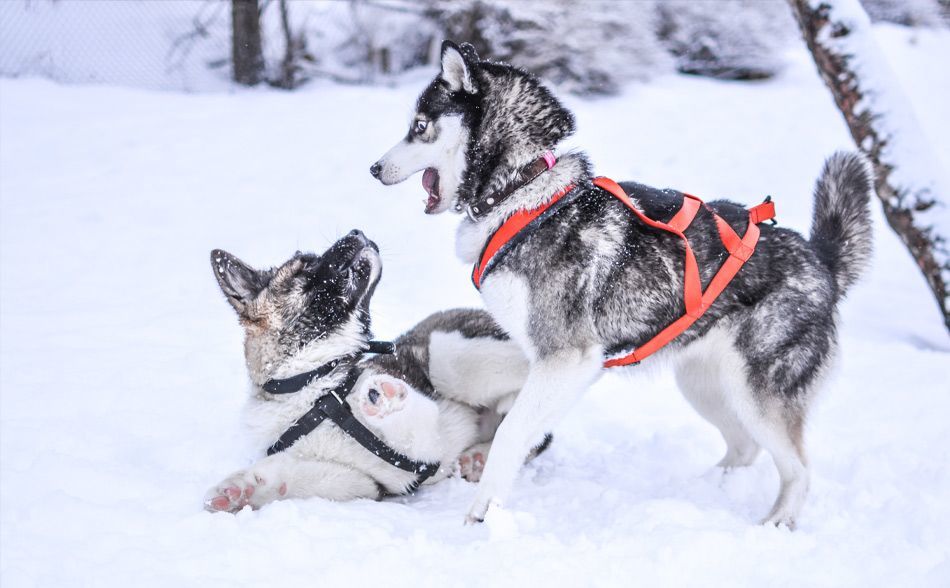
{"x": 357, "y": 233}
{"x": 375, "y": 169}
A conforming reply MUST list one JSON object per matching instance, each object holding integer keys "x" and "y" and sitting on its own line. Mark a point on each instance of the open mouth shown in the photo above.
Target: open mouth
{"x": 430, "y": 181}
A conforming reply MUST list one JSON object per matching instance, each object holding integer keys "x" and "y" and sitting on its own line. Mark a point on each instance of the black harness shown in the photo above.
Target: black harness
{"x": 333, "y": 406}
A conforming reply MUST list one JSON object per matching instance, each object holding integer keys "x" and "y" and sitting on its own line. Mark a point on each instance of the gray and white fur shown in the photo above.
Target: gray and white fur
{"x": 593, "y": 281}
{"x": 430, "y": 401}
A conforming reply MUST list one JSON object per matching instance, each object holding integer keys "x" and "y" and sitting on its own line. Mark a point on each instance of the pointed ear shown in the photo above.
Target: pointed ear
{"x": 457, "y": 67}
{"x": 240, "y": 282}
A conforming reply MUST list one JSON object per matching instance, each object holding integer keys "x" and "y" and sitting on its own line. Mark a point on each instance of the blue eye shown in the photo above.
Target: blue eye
{"x": 420, "y": 127}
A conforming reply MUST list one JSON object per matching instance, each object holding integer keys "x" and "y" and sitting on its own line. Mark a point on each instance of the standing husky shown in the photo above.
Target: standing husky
{"x": 592, "y": 280}
{"x": 310, "y": 316}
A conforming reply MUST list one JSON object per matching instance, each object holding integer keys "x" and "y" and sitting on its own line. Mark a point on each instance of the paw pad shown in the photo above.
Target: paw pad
{"x": 382, "y": 396}
{"x": 471, "y": 466}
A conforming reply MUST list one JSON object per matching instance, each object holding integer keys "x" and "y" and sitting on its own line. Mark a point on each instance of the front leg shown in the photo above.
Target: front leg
{"x": 403, "y": 417}
{"x": 554, "y": 384}
{"x": 281, "y": 476}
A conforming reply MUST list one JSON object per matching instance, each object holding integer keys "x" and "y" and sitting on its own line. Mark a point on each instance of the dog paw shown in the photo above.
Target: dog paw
{"x": 245, "y": 488}
{"x": 780, "y": 520}
{"x": 471, "y": 519}
{"x": 478, "y": 511}
{"x": 472, "y": 462}
{"x": 382, "y": 396}
{"x": 738, "y": 458}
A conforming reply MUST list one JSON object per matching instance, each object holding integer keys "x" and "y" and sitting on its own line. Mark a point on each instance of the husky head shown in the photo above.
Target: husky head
{"x": 310, "y": 310}
{"x": 476, "y": 125}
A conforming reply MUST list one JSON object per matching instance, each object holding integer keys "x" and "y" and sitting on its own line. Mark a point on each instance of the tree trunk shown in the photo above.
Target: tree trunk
{"x": 246, "y": 56}
{"x": 882, "y": 123}
{"x": 288, "y": 67}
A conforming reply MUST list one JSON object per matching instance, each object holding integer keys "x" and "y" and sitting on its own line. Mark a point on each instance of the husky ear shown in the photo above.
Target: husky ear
{"x": 457, "y": 65}
{"x": 240, "y": 282}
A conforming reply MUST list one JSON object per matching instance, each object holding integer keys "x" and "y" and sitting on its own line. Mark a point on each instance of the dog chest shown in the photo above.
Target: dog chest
{"x": 507, "y": 298}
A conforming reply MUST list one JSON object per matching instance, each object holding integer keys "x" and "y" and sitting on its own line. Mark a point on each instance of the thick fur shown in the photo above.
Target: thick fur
{"x": 840, "y": 229}
{"x": 593, "y": 281}
{"x": 431, "y": 400}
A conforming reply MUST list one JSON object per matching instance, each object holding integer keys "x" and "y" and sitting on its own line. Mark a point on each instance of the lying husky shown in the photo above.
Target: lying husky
{"x": 592, "y": 281}
{"x": 423, "y": 407}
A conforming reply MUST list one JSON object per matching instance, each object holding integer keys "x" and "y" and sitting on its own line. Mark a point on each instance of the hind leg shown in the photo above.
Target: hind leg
{"x": 741, "y": 448}
{"x": 779, "y": 431}
{"x": 699, "y": 378}
{"x": 766, "y": 411}
{"x": 777, "y": 428}
{"x": 282, "y": 476}
{"x": 783, "y": 382}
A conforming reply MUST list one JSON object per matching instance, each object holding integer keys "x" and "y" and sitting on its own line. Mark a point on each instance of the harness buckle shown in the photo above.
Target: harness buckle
{"x": 763, "y": 212}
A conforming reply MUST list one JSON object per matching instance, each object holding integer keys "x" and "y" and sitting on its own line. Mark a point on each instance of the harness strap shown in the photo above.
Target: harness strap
{"x": 316, "y": 415}
{"x": 333, "y": 406}
{"x": 692, "y": 286}
{"x": 695, "y": 300}
{"x": 381, "y": 347}
{"x": 301, "y": 381}
{"x": 503, "y": 237}
{"x": 339, "y": 412}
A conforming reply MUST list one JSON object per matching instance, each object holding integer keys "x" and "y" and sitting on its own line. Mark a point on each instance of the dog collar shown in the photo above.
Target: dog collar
{"x": 528, "y": 173}
{"x": 301, "y": 381}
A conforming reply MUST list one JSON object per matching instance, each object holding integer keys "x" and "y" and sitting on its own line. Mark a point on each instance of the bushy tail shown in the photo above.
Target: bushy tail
{"x": 841, "y": 227}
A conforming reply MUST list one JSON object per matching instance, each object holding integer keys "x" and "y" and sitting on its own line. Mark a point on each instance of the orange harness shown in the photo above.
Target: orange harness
{"x": 696, "y": 300}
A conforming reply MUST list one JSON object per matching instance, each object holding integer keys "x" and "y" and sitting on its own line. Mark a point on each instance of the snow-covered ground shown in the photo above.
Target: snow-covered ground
{"x": 122, "y": 373}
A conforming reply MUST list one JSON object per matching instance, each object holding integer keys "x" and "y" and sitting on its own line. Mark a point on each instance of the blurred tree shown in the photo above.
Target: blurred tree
{"x": 726, "y": 39}
{"x": 911, "y": 13}
{"x": 383, "y": 38}
{"x": 295, "y": 52}
{"x": 883, "y": 126}
{"x": 588, "y": 47}
{"x": 246, "y": 57}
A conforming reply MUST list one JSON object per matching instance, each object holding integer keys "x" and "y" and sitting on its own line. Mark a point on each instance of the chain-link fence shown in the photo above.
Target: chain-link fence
{"x": 585, "y": 46}
{"x": 161, "y": 44}
{"x": 187, "y": 44}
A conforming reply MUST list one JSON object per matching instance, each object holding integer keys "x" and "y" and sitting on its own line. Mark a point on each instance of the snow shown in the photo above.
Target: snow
{"x": 121, "y": 372}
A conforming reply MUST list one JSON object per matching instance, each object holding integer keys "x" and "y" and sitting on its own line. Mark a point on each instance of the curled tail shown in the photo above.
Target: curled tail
{"x": 841, "y": 225}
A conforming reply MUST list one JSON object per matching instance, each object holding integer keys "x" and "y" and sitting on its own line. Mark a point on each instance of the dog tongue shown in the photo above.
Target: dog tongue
{"x": 429, "y": 178}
